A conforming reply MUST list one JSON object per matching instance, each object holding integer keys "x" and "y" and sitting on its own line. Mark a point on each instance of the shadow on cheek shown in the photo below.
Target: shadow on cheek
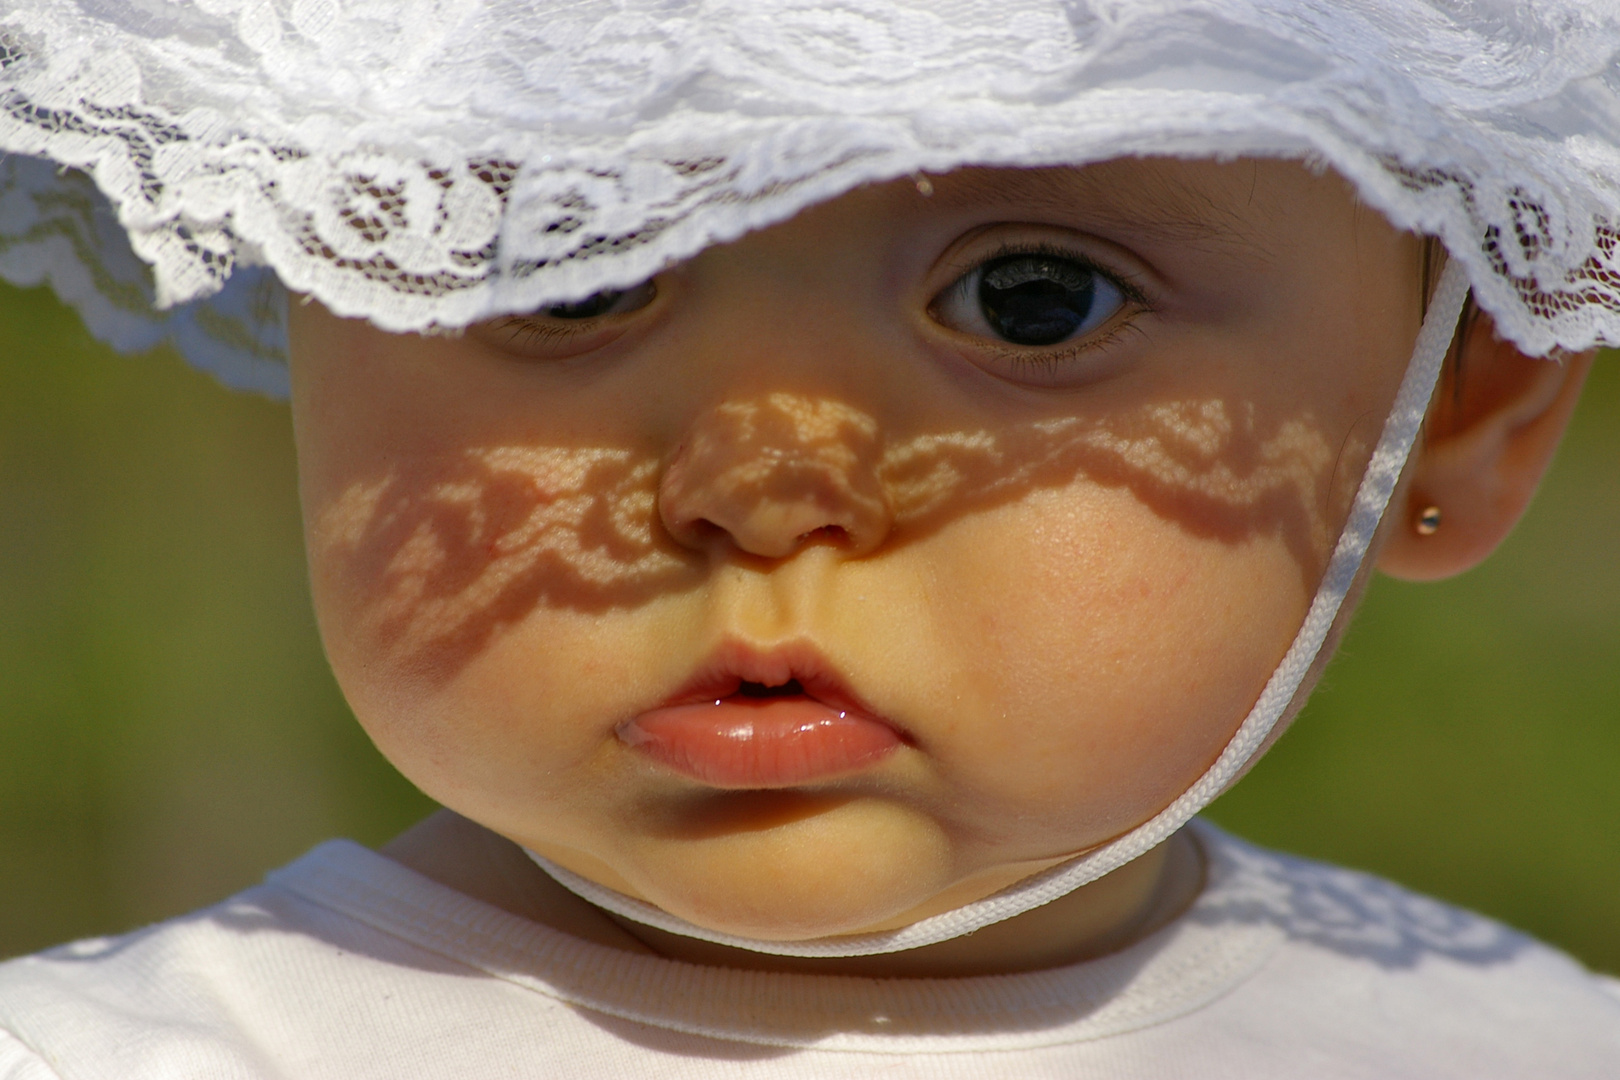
{"x": 437, "y": 555}
{"x": 1214, "y": 470}
{"x": 441, "y": 553}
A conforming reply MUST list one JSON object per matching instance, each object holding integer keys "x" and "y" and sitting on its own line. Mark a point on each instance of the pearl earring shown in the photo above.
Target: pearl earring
{"x": 1428, "y": 522}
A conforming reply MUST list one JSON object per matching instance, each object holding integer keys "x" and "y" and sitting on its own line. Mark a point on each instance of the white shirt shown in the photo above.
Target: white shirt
{"x": 346, "y": 966}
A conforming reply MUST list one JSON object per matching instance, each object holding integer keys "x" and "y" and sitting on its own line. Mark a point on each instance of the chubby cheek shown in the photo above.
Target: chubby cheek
{"x": 1109, "y": 653}
{"x": 524, "y": 730}
{"x": 475, "y": 607}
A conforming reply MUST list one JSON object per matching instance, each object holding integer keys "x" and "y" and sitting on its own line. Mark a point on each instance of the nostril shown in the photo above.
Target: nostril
{"x": 698, "y": 531}
{"x": 835, "y": 534}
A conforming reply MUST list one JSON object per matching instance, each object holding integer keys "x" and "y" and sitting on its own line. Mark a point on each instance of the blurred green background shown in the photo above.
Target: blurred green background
{"x": 169, "y": 731}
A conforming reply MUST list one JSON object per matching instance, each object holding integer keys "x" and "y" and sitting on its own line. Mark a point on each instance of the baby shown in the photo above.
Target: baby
{"x": 821, "y": 575}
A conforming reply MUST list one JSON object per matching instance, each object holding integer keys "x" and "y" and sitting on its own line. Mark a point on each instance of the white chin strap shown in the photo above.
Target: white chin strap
{"x": 1372, "y": 498}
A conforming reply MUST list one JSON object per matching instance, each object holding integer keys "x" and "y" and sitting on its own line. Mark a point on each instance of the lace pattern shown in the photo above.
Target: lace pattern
{"x": 429, "y": 163}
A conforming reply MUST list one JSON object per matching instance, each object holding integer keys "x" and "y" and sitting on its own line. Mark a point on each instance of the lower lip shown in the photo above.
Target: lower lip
{"x": 759, "y": 743}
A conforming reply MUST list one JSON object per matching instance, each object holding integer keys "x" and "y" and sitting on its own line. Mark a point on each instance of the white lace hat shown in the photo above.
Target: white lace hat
{"x": 435, "y": 162}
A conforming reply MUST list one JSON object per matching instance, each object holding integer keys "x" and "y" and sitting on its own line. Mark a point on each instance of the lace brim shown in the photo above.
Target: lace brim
{"x": 427, "y": 165}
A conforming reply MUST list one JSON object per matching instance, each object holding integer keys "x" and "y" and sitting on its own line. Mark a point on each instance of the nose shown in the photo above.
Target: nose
{"x": 771, "y": 475}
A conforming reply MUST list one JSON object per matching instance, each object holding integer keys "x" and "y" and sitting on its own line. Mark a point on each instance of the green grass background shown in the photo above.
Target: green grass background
{"x": 169, "y": 731}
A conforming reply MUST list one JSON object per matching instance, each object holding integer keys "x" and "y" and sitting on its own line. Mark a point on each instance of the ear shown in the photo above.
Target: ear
{"x": 1497, "y": 418}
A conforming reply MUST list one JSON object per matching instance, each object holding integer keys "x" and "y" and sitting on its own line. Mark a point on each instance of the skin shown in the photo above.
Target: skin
{"x": 1064, "y": 573}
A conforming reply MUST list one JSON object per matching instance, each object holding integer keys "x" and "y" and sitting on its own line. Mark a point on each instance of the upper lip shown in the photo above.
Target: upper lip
{"x": 735, "y": 662}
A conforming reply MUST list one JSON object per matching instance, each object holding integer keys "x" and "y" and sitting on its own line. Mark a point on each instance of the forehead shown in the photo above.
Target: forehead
{"x": 1238, "y": 207}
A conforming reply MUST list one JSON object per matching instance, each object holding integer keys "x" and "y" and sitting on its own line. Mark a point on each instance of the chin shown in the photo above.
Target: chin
{"x": 848, "y": 870}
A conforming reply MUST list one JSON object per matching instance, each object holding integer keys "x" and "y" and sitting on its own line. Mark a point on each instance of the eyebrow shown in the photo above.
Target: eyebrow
{"x": 1162, "y": 207}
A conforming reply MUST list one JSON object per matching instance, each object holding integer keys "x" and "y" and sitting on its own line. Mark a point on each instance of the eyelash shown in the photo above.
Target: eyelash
{"x": 524, "y": 330}
{"x": 1049, "y": 362}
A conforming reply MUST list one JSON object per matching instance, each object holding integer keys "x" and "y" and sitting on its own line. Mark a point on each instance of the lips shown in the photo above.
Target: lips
{"x": 753, "y": 719}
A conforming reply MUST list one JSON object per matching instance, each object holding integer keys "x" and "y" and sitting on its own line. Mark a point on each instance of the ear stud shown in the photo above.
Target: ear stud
{"x": 1428, "y": 522}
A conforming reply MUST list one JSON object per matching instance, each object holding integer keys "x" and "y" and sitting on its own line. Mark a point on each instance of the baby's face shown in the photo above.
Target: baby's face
{"x": 856, "y": 569}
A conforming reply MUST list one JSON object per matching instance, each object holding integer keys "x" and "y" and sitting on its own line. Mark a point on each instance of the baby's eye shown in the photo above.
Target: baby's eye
{"x": 567, "y": 330}
{"x": 608, "y": 302}
{"x": 1030, "y": 299}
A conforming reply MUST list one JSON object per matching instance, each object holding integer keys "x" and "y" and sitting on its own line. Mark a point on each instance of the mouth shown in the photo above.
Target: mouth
{"x": 752, "y": 720}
